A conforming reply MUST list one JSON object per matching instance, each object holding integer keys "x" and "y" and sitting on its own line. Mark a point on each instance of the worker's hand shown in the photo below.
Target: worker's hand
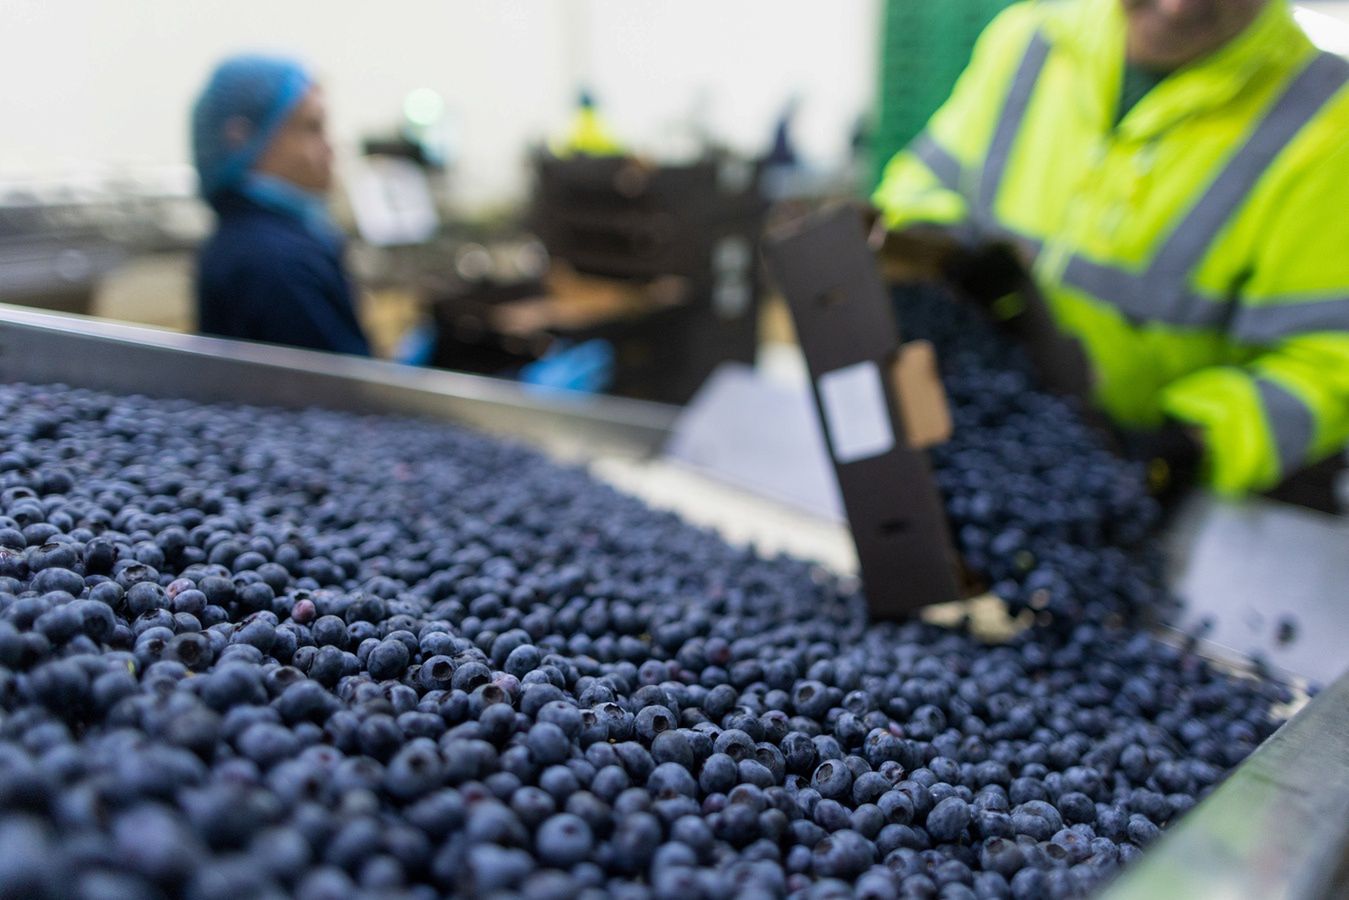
{"x": 986, "y": 272}
{"x": 1172, "y": 455}
{"x": 982, "y": 272}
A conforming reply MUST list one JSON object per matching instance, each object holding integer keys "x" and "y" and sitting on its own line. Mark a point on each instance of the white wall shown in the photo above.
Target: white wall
{"x": 1337, "y": 8}
{"x": 738, "y": 62}
{"x": 1326, "y": 23}
{"x": 109, "y": 82}
{"x": 113, "y": 81}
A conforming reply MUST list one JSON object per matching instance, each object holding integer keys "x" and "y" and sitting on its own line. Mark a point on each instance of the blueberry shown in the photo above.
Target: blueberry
{"x": 58, "y": 579}
{"x": 811, "y": 698}
{"x": 1036, "y": 819}
{"x": 564, "y": 840}
{"x": 1024, "y": 789}
{"x": 387, "y": 660}
{"x": 926, "y": 722}
{"x": 868, "y": 820}
{"x": 799, "y": 753}
{"x": 266, "y": 744}
{"x": 719, "y": 774}
{"x": 492, "y": 868}
{"x": 1076, "y": 807}
{"x": 736, "y": 744}
{"x": 522, "y": 659}
{"x": 719, "y": 701}
{"x": 329, "y": 631}
{"x": 635, "y": 841}
{"x": 155, "y": 843}
{"x": 60, "y": 624}
{"x": 560, "y": 782}
{"x": 832, "y": 779}
{"x": 671, "y": 779}
{"x": 414, "y": 771}
{"x": 192, "y": 650}
{"x": 869, "y": 787}
{"x": 380, "y": 737}
{"x": 673, "y": 747}
{"x": 547, "y": 743}
{"x": 832, "y": 815}
{"x": 470, "y": 675}
{"x": 948, "y": 819}
{"x": 258, "y": 633}
{"x": 281, "y": 851}
{"x": 609, "y": 782}
{"x": 844, "y": 854}
{"x": 51, "y": 555}
{"x": 103, "y": 885}
{"x": 108, "y": 593}
{"x": 1141, "y": 830}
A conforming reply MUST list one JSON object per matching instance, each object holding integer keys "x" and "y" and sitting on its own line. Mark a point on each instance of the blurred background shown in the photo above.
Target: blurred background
{"x": 479, "y": 244}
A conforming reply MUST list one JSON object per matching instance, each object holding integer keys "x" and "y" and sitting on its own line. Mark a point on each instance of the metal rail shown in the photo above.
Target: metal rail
{"x": 91, "y": 353}
{"x": 1276, "y": 829}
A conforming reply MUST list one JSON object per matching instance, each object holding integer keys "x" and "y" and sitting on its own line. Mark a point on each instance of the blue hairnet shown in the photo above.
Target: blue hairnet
{"x": 261, "y": 90}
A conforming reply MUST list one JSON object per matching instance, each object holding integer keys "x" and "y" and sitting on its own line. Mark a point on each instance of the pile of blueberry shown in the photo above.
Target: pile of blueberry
{"x": 1040, "y": 507}
{"x": 258, "y": 653}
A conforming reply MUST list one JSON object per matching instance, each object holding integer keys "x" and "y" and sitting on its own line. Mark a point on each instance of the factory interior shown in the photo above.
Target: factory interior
{"x": 619, "y": 448}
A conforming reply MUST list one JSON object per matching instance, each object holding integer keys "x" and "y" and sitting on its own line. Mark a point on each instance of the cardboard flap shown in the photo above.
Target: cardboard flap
{"x": 845, "y": 322}
{"x": 920, "y": 396}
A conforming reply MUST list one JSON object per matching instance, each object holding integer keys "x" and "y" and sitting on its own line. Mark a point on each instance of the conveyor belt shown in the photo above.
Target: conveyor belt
{"x": 1277, "y": 828}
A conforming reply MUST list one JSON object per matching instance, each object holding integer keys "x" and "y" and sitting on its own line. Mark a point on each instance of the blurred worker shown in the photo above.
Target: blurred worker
{"x": 1176, "y": 174}
{"x": 588, "y": 134}
{"x": 273, "y": 270}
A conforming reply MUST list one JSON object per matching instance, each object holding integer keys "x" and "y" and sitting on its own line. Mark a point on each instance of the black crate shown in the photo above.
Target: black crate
{"x": 618, "y": 218}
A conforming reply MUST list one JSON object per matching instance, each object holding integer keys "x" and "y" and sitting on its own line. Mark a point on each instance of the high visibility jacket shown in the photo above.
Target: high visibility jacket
{"x": 1199, "y": 249}
{"x": 589, "y": 135}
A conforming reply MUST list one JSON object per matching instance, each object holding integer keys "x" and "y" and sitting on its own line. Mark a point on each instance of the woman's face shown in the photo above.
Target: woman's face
{"x": 300, "y": 152}
{"x": 1167, "y": 34}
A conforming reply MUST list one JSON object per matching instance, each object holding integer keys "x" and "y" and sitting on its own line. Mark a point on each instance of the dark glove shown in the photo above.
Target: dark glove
{"x": 1172, "y": 454}
{"x": 985, "y": 272}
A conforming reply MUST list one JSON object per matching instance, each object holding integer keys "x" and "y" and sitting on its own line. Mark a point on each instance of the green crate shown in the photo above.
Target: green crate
{"x": 925, "y": 46}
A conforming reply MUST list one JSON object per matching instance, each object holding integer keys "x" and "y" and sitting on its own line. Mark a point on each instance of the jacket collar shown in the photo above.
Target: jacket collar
{"x": 1093, "y": 32}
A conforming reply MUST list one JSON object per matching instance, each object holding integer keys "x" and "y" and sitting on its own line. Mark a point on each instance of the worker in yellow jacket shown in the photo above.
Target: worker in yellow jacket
{"x": 588, "y": 135}
{"x": 1175, "y": 174}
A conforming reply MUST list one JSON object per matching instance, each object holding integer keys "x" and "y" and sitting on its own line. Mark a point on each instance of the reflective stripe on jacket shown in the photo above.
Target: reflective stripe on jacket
{"x": 1199, "y": 249}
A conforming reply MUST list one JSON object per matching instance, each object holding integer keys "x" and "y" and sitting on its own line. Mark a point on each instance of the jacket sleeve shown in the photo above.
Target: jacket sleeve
{"x": 931, "y": 180}
{"x": 295, "y": 301}
{"x": 1287, "y": 405}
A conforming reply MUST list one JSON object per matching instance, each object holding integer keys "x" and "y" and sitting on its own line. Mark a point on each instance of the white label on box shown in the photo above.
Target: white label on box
{"x": 855, "y": 412}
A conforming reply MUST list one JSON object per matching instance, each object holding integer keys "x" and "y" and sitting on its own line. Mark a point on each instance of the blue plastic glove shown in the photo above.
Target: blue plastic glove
{"x": 417, "y": 346}
{"x": 585, "y": 367}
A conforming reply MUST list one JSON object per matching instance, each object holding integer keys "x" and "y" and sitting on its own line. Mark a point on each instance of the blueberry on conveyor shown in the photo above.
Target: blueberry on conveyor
{"x": 266, "y": 653}
{"x": 1286, "y": 629}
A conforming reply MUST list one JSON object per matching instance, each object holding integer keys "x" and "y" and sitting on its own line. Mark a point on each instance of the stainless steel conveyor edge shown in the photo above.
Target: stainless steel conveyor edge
{"x": 1276, "y": 829}
{"x": 92, "y": 353}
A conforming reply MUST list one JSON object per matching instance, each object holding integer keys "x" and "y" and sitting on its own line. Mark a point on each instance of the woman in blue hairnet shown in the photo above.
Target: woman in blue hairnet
{"x": 273, "y": 270}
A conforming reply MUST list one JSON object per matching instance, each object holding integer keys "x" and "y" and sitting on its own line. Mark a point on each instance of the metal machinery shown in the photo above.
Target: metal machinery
{"x": 57, "y": 241}
{"x": 1278, "y": 827}
{"x": 660, "y": 261}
